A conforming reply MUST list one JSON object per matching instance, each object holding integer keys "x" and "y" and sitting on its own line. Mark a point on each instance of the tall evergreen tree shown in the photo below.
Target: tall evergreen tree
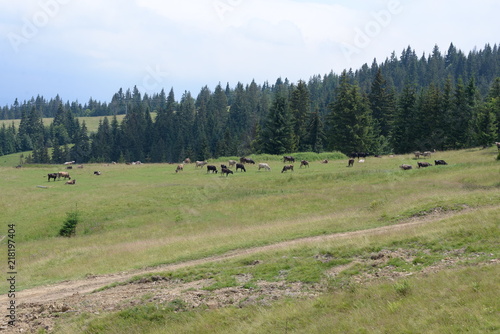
{"x": 278, "y": 136}
{"x": 300, "y": 108}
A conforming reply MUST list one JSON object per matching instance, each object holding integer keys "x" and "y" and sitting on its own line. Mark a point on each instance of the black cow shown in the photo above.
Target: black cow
{"x": 97, "y": 172}
{"x": 350, "y": 163}
{"x": 244, "y": 160}
{"x": 222, "y": 166}
{"x": 439, "y": 162}
{"x": 423, "y": 164}
{"x": 211, "y": 168}
{"x": 52, "y": 176}
{"x": 240, "y": 166}
{"x": 287, "y": 167}
{"x": 304, "y": 163}
{"x": 226, "y": 171}
{"x": 288, "y": 158}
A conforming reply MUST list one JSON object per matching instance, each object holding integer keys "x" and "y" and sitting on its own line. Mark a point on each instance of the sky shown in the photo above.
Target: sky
{"x": 92, "y": 48}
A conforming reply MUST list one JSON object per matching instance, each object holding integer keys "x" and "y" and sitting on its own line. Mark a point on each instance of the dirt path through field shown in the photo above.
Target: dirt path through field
{"x": 59, "y": 291}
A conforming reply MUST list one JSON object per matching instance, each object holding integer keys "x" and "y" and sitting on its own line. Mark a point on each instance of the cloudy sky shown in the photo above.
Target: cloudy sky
{"x": 90, "y": 48}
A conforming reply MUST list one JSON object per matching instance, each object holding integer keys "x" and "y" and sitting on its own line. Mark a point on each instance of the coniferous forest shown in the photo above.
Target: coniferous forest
{"x": 405, "y": 103}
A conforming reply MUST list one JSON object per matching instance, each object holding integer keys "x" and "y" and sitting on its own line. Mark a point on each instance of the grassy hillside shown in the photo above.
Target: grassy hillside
{"x": 135, "y": 216}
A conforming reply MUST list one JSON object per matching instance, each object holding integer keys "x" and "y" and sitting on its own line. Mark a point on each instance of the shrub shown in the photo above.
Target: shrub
{"x": 69, "y": 227}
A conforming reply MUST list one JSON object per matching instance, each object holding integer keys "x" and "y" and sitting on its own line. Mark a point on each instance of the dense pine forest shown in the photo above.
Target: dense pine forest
{"x": 405, "y": 103}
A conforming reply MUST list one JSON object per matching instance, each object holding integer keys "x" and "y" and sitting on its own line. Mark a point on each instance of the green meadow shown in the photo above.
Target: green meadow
{"x": 138, "y": 216}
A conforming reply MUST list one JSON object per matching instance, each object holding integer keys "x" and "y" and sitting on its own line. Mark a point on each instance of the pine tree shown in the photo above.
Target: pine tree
{"x": 278, "y": 135}
{"x": 351, "y": 125}
{"x": 300, "y": 108}
{"x": 403, "y": 130}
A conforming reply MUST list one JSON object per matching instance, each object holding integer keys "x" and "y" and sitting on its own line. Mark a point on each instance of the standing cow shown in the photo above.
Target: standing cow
{"x": 265, "y": 166}
{"x": 287, "y": 168}
{"x": 211, "y": 168}
{"x": 240, "y": 166}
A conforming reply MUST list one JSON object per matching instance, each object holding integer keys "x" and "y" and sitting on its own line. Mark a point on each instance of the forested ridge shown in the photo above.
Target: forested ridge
{"x": 436, "y": 101}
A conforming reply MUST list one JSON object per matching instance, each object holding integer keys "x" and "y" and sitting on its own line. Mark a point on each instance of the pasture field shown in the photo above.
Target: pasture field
{"x": 435, "y": 270}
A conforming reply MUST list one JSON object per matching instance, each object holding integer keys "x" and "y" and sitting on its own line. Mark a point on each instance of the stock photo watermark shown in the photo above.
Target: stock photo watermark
{"x": 222, "y": 7}
{"x": 47, "y": 10}
{"x": 364, "y": 36}
{"x": 153, "y": 80}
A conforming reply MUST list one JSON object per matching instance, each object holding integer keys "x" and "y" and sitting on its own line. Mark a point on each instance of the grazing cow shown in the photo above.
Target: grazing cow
{"x": 417, "y": 154}
{"x": 240, "y": 166}
{"x": 423, "y": 164}
{"x": 19, "y": 166}
{"x": 324, "y": 161}
{"x": 223, "y": 166}
{"x": 244, "y": 160}
{"x": 427, "y": 154}
{"x": 211, "y": 168}
{"x": 81, "y": 166}
{"x": 226, "y": 171}
{"x": 187, "y": 161}
{"x": 405, "y": 167}
{"x": 498, "y": 145}
{"x": 71, "y": 182}
{"x": 97, "y": 172}
{"x": 69, "y": 167}
{"x": 265, "y": 166}
{"x": 439, "y": 162}
{"x": 304, "y": 163}
{"x": 64, "y": 175}
{"x": 288, "y": 158}
{"x": 232, "y": 163}
{"x": 200, "y": 164}
{"x": 350, "y": 163}
{"x": 180, "y": 167}
{"x": 52, "y": 176}
{"x": 287, "y": 167}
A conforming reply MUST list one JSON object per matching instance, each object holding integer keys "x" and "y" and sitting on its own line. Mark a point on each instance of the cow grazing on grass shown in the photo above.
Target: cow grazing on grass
{"x": 244, "y": 160}
{"x": 324, "y": 161}
{"x": 286, "y": 168}
{"x": 69, "y": 167}
{"x": 288, "y": 158}
{"x": 439, "y": 162}
{"x": 350, "y": 162}
{"x": 223, "y": 166}
{"x": 200, "y": 164}
{"x": 405, "y": 167}
{"x": 71, "y": 181}
{"x": 211, "y": 168}
{"x": 226, "y": 171}
{"x": 498, "y": 145}
{"x": 97, "y": 172}
{"x": 417, "y": 154}
{"x": 81, "y": 166}
{"x": 231, "y": 163}
{"x": 304, "y": 163}
{"x": 265, "y": 166}
{"x": 240, "y": 166}
{"x": 180, "y": 167}
{"x": 423, "y": 164}
{"x": 427, "y": 154}
{"x": 187, "y": 161}
{"x": 64, "y": 175}
{"x": 52, "y": 176}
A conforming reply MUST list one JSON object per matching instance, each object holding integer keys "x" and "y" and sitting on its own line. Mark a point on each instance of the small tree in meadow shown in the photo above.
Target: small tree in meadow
{"x": 69, "y": 227}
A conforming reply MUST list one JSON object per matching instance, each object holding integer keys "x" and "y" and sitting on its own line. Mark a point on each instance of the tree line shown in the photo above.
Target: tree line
{"x": 408, "y": 103}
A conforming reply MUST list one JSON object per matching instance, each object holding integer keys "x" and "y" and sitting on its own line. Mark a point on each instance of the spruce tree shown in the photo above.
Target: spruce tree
{"x": 278, "y": 136}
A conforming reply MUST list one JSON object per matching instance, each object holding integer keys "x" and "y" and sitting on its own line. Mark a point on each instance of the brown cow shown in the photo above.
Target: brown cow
{"x": 423, "y": 164}
{"x": 71, "y": 182}
{"x": 405, "y": 167}
{"x": 52, "y": 176}
{"x": 304, "y": 163}
{"x": 350, "y": 163}
{"x": 286, "y": 168}
{"x": 64, "y": 175}
{"x": 180, "y": 167}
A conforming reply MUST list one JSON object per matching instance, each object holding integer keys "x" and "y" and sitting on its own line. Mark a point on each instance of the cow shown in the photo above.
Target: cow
{"x": 498, "y": 145}
{"x": 69, "y": 162}
{"x": 64, "y": 175}
{"x": 439, "y": 162}
{"x": 265, "y": 166}
{"x": 226, "y": 171}
{"x": 69, "y": 167}
{"x": 180, "y": 167}
{"x": 304, "y": 163}
{"x": 71, "y": 182}
{"x": 223, "y": 166}
{"x": 200, "y": 164}
{"x": 81, "y": 166}
{"x": 324, "y": 161}
{"x": 244, "y": 160}
{"x": 427, "y": 154}
{"x": 287, "y": 167}
{"x": 231, "y": 163}
{"x": 288, "y": 158}
{"x": 52, "y": 176}
{"x": 417, "y": 154}
{"x": 350, "y": 162}
{"x": 187, "y": 161}
{"x": 405, "y": 167}
{"x": 211, "y": 168}
{"x": 423, "y": 164}
{"x": 97, "y": 172}
{"x": 240, "y": 166}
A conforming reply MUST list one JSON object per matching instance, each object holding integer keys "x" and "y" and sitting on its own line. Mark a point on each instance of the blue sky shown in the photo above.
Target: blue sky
{"x": 83, "y": 49}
